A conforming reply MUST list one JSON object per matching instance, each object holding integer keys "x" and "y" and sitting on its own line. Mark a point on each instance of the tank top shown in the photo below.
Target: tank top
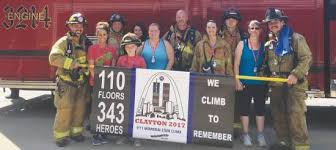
{"x": 160, "y": 56}
{"x": 249, "y": 61}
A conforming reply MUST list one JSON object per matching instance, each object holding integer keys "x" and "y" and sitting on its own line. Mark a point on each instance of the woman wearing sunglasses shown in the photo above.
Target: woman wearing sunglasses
{"x": 249, "y": 56}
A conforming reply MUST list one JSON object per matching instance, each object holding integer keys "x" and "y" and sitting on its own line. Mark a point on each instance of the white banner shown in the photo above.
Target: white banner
{"x": 161, "y": 105}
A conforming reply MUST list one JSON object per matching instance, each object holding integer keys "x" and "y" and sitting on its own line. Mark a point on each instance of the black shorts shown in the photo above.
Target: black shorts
{"x": 244, "y": 97}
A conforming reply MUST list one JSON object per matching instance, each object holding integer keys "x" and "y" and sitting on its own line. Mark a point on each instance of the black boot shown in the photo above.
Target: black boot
{"x": 280, "y": 146}
{"x": 62, "y": 142}
{"x": 78, "y": 138}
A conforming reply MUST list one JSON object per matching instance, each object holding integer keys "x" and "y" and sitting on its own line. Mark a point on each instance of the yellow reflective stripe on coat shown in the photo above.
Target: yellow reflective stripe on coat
{"x": 302, "y": 147}
{"x": 81, "y": 59}
{"x": 61, "y": 135}
{"x": 76, "y": 130}
{"x": 65, "y": 78}
{"x": 68, "y": 78}
{"x": 67, "y": 63}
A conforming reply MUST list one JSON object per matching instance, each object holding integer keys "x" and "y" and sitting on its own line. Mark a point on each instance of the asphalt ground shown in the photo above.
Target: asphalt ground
{"x": 26, "y": 123}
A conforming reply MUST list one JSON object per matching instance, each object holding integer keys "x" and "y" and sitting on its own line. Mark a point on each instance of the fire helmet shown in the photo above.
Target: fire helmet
{"x": 232, "y": 13}
{"x": 272, "y": 13}
{"x": 116, "y": 17}
{"x": 130, "y": 38}
{"x": 76, "y": 18}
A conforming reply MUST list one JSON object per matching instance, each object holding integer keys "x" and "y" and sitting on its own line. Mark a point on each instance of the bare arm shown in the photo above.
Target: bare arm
{"x": 91, "y": 67}
{"x": 170, "y": 54}
{"x": 238, "y": 54}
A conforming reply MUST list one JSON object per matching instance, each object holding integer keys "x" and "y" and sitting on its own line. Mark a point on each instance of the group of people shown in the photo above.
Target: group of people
{"x": 223, "y": 50}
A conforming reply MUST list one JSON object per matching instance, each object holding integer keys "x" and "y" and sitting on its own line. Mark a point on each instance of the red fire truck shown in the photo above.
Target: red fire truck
{"x": 29, "y": 28}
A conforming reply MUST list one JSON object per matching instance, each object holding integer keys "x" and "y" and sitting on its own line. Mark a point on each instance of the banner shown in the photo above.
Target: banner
{"x": 110, "y": 101}
{"x": 163, "y": 105}
{"x": 213, "y": 107}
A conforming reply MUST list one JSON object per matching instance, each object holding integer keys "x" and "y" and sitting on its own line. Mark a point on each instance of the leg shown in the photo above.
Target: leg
{"x": 81, "y": 99}
{"x": 64, "y": 105}
{"x": 259, "y": 95}
{"x": 243, "y": 102}
{"x": 237, "y": 126}
{"x": 279, "y": 113}
{"x": 297, "y": 119}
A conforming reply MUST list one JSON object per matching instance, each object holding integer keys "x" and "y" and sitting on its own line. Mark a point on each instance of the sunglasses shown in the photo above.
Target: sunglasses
{"x": 255, "y": 28}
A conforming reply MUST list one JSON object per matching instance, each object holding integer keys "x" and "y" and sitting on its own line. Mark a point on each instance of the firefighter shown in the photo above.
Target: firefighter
{"x": 231, "y": 34}
{"x": 116, "y": 22}
{"x": 288, "y": 56}
{"x": 68, "y": 54}
{"x": 183, "y": 38}
{"x": 230, "y": 31}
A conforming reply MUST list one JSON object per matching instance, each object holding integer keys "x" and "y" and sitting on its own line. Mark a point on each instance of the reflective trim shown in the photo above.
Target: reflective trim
{"x": 65, "y": 78}
{"x": 81, "y": 59}
{"x": 61, "y": 135}
{"x": 302, "y": 147}
{"x": 76, "y": 130}
{"x": 67, "y": 63}
{"x": 237, "y": 125}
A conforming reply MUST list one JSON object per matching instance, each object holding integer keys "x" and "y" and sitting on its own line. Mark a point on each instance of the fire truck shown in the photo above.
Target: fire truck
{"x": 28, "y": 29}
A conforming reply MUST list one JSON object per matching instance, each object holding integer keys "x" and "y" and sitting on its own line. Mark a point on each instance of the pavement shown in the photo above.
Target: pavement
{"x": 26, "y": 123}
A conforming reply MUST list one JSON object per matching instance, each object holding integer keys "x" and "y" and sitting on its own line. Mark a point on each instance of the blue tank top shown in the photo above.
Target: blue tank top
{"x": 160, "y": 56}
{"x": 248, "y": 63}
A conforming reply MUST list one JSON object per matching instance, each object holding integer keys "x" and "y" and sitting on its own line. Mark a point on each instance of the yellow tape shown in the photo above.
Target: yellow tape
{"x": 262, "y": 78}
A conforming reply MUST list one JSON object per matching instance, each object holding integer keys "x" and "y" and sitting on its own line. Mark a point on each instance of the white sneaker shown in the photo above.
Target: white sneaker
{"x": 246, "y": 139}
{"x": 261, "y": 140}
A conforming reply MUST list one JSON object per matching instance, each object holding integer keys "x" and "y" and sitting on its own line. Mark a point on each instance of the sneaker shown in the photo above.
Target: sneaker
{"x": 103, "y": 138}
{"x": 62, "y": 142}
{"x": 122, "y": 140}
{"x": 261, "y": 140}
{"x": 136, "y": 142}
{"x": 246, "y": 139}
{"x": 78, "y": 138}
{"x": 96, "y": 140}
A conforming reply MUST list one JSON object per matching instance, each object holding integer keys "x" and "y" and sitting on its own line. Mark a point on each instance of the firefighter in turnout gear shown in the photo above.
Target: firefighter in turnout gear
{"x": 231, "y": 34}
{"x": 116, "y": 23}
{"x": 68, "y": 54}
{"x": 287, "y": 56}
{"x": 229, "y": 31}
{"x": 183, "y": 38}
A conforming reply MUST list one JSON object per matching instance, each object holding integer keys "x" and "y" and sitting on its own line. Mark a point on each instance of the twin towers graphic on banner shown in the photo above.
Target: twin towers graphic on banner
{"x": 160, "y": 98}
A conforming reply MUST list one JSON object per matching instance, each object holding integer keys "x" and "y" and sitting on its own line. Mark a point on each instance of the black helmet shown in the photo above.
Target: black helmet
{"x": 76, "y": 18}
{"x": 232, "y": 13}
{"x": 130, "y": 38}
{"x": 272, "y": 13}
{"x": 116, "y": 17}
